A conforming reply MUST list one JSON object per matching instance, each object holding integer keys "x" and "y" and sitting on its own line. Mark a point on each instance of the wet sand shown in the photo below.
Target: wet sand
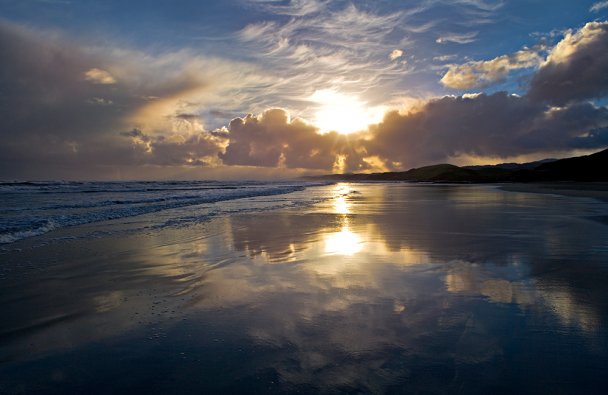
{"x": 596, "y": 190}
{"x": 376, "y": 288}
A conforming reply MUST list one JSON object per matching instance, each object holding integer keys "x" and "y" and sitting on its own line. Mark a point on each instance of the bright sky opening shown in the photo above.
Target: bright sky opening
{"x": 343, "y": 113}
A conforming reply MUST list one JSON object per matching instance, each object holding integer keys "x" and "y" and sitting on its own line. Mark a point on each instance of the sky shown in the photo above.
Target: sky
{"x": 258, "y": 89}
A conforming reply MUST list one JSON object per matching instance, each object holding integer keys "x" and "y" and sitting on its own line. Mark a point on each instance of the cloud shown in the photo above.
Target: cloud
{"x": 98, "y": 76}
{"x": 440, "y": 130}
{"x": 597, "y": 7}
{"x": 498, "y": 125}
{"x": 64, "y": 103}
{"x": 44, "y": 93}
{"x": 199, "y": 149}
{"x": 445, "y": 58}
{"x": 100, "y": 101}
{"x": 272, "y": 139}
{"x": 463, "y": 38}
{"x": 60, "y": 115}
{"x": 482, "y": 5}
{"x": 477, "y": 74}
{"x": 342, "y": 48}
{"x": 291, "y": 7}
{"x": 575, "y": 68}
{"x": 395, "y": 54}
{"x": 422, "y": 28}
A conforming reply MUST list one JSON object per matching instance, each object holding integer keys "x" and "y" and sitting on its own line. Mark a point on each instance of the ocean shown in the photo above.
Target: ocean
{"x": 30, "y": 209}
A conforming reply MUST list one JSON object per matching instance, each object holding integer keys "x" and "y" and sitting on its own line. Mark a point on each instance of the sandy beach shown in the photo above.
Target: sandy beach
{"x": 374, "y": 288}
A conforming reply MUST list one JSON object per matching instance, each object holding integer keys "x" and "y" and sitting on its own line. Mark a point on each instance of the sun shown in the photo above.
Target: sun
{"x": 342, "y": 113}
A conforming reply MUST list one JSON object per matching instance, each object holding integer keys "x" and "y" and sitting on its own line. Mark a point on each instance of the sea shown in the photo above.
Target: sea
{"x": 32, "y": 208}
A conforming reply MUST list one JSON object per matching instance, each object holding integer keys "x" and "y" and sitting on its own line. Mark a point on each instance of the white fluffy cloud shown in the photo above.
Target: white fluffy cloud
{"x": 574, "y": 69}
{"x": 481, "y": 73}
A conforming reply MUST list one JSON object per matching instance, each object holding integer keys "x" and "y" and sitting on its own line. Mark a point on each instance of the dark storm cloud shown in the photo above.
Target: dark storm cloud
{"x": 62, "y": 103}
{"x": 576, "y": 69}
{"x": 49, "y": 108}
{"x": 497, "y": 125}
{"x": 46, "y": 92}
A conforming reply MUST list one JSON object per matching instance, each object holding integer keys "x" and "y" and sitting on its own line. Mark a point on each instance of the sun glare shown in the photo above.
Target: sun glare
{"x": 344, "y": 242}
{"x": 343, "y": 113}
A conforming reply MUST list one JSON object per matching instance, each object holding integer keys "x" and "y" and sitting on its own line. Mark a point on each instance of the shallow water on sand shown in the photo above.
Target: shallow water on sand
{"x": 370, "y": 288}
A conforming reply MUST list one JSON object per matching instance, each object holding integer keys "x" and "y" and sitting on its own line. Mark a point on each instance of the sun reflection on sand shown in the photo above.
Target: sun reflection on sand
{"x": 341, "y": 206}
{"x": 344, "y": 242}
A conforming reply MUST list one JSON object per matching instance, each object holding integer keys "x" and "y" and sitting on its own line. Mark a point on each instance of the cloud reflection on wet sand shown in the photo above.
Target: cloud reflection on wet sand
{"x": 367, "y": 289}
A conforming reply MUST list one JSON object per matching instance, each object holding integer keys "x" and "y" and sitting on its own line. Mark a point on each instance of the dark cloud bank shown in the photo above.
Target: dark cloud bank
{"x": 576, "y": 68}
{"x": 63, "y": 114}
